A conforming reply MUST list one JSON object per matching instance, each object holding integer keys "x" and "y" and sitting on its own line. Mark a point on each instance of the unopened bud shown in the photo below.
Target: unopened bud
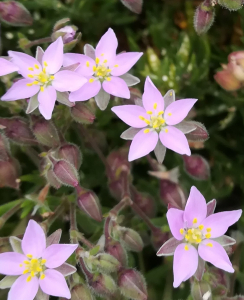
{"x": 9, "y": 172}
{"x": 145, "y": 202}
{"x": 132, "y": 284}
{"x": 158, "y": 238}
{"x": 200, "y": 290}
{"x": 130, "y": 239}
{"x": 204, "y": 17}
{"x": 82, "y": 113}
{"x": 81, "y": 292}
{"x": 116, "y": 188}
{"x": 106, "y": 263}
{"x": 171, "y": 193}
{"x": 15, "y": 14}
{"x": 71, "y": 153}
{"x": 17, "y": 129}
{"x": 118, "y": 162}
{"x": 117, "y": 250}
{"x": 227, "y": 80}
{"x": 102, "y": 284}
{"x": 220, "y": 282}
{"x": 67, "y": 32}
{"x": 65, "y": 172}
{"x": 196, "y": 166}
{"x": 45, "y": 132}
{"x": 89, "y": 203}
{"x": 51, "y": 179}
{"x": 4, "y": 148}
{"x": 199, "y": 134}
{"x": 231, "y": 4}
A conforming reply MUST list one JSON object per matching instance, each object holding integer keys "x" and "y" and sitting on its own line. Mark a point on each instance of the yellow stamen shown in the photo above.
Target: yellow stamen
{"x": 29, "y": 84}
{"x": 189, "y": 231}
{"x": 155, "y": 126}
{"x": 35, "y": 82}
{"x": 147, "y": 121}
{"x": 28, "y": 279}
{"x": 141, "y": 118}
{"x": 146, "y": 130}
{"x": 198, "y": 241}
{"x": 155, "y": 105}
{"x": 160, "y": 112}
{"x": 25, "y": 271}
{"x": 186, "y": 248}
{"x": 105, "y": 61}
{"x": 36, "y": 66}
{"x": 42, "y": 276}
{"x": 169, "y": 114}
{"x": 87, "y": 64}
{"x": 166, "y": 130}
{"x": 97, "y": 60}
{"x": 21, "y": 265}
{"x": 30, "y": 76}
{"x": 201, "y": 227}
{"x": 42, "y": 88}
{"x": 108, "y": 79}
{"x": 44, "y": 70}
{"x": 109, "y": 70}
{"x": 32, "y": 273}
{"x": 43, "y": 261}
{"x": 208, "y": 235}
{"x": 209, "y": 229}
{"x": 194, "y": 221}
{"x": 102, "y": 54}
{"x": 45, "y": 63}
{"x": 91, "y": 80}
{"x": 31, "y": 69}
{"x": 181, "y": 230}
{"x": 26, "y": 262}
{"x": 149, "y": 112}
{"x": 116, "y": 66}
{"x": 209, "y": 244}
{"x": 187, "y": 237}
{"x": 94, "y": 68}
{"x": 52, "y": 77}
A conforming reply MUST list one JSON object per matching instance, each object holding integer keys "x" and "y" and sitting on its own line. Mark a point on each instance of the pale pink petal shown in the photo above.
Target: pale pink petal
{"x": 220, "y": 222}
{"x": 215, "y": 254}
{"x": 86, "y": 63}
{"x": 196, "y": 208}
{"x": 152, "y": 96}
{"x": 23, "y": 290}
{"x": 34, "y": 240}
{"x": 57, "y": 254}
{"x": 23, "y": 62}
{"x": 68, "y": 81}
{"x": 53, "y": 56}
{"x": 175, "y": 140}
{"x": 11, "y": 263}
{"x": 124, "y": 62}
{"x": 7, "y": 67}
{"x": 54, "y": 284}
{"x": 86, "y": 92}
{"x": 20, "y": 90}
{"x": 176, "y": 222}
{"x": 116, "y": 87}
{"x": 185, "y": 263}
{"x": 46, "y": 101}
{"x": 130, "y": 115}
{"x": 142, "y": 144}
{"x": 178, "y": 110}
{"x": 107, "y": 46}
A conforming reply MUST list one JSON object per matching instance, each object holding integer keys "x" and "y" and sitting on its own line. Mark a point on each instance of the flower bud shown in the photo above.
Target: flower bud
{"x": 200, "y": 290}
{"x": 106, "y": 263}
{"x": 117, "y": 250}
{"x": 52, "y": 180}
{"x": 4, "y": 148}
{"x": 82, "y": 113}
{"x": 196, "y": 166}
{"x": 220, "y": 282}
{"x": 199, "y": 134}
{"x": 227, "y": 80}
{"x": 116, "y": 188}
{"x": 118, "y": 162}
{"x": 9, "y": 172}
{"x": 70, "y": 153}
{"x": 145, "y": 202}
{"x": 130, "y": 239}
{"x": 237, "y": 57}
{"x": 65, "y": 172}
{"x": 102, "y": 284}
{"x": 81, "y": 292}
{"x": 17, "y": 129}
{"x": 158, "y": 238}
{"x": 15, "y": 14}
{"x": 132, "y": 284}
{"x": 204, "y": 17}
{"x": 231, "y": 4}
{"x": 88, "y": 202}
{"x": 171, "y": 193}
{"x": 133, "y": 5}
{"x": 45, "y": 132}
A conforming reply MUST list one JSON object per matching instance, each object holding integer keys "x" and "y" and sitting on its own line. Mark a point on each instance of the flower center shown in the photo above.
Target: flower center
{"x": 43, "y": 78}
{"x": 34, "y": 267}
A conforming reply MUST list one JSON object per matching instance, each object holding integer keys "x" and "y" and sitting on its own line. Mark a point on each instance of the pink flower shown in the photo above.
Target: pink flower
{"x": 39, "y": 264}
{"x": 105, "y": 71}
{"x": 157, "y": 124}
{"x": 43, "y": 80}
{"x": 198, "y": 236}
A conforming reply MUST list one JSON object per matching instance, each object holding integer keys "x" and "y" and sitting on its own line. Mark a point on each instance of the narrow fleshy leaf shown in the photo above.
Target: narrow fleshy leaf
{"x": 169, "y": 98}
{"x": 89, "y": 51}
{"x": 130, "y": 133}
{"x": 54, "y": 238}
{"x": 15, "y": 244}
{"x": 32, "y": 104}
{"x": 129, "y": 79}
{"x": 7, "y": 282}
{"x": 199, "y": 134}
{"x": 133, "y": 5}
{"x": 66, "y": 269}
{"x": 102, "y": 99}
{"x": 160, "y": 151}
{"x": 200, "y": 269}
{"x": 168, "y": 247}
{"x": 211, "y": 207}
{"x": 225, "y": 240}
{"x": 186, "y": 126}
{"x": 63, "y": 97}
{"x": 39, "y": 54}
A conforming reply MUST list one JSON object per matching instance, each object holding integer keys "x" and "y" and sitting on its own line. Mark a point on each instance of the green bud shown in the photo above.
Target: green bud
{"x": 231, "y": 4}
{"x": 131, "y": 239}
{"x": 102, "y": 284}
{"x": 201, "y": 289}
{"x": 81, "y": 292}
{"x": 106, "y": 263}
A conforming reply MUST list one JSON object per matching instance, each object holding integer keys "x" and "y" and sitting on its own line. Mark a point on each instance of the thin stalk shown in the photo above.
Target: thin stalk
{"x": 9, "y": 214}
{"x": 38, "y": 42}
{"x": 58, "y": 211}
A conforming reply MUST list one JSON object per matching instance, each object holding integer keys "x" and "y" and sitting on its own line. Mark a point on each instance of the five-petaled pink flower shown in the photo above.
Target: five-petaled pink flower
{"x": 198, "y": 236}
{"x": 38, "y": 266}
{"x": 43, "y": 79}
{"x": 105, "y": 71}
{"x": 156, "y": 124}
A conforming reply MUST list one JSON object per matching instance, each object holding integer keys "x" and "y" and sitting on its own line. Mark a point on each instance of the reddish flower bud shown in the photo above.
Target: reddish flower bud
{"x": 199, "y": 134}
{"x": 82, "y": 113}
{"x": 204, "y": 17}
{"x": 102, "y": 284}
{"x": 196, "y": 166}
{"x": 130, "y": 239}
{"x": 4, "y": 148}
{"x": 231, "y": 4}
{"x": 227, "y": 80}
{"x": 133, "y": 5}
{"x": 81, "y": 292}
{"x": 88, "y": 202}
{"x": 118, "y": 162}
{"x": 220, "y": 282}
{"x": 201, "y": 290}
{"x": 65, "y": 172}
{"x": 171, "y": 193}
{"x": 15, "y": 14}
{"x": 145, "y": 202}
{"x": 158, "y": 238}
{"x": 71, "y": 153}
{"x": 117, "y": 250}
{"x": 132, "y": 284}
{"x": 116, "y": 188}
{"x": 9, "y": 173}
{"x": 237, "y": 57}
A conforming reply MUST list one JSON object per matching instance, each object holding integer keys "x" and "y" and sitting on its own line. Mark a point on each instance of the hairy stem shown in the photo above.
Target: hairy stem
{"x": 9, "y": 214}
{"x": 48, "y": 222}
{"x": 38, "y": 42}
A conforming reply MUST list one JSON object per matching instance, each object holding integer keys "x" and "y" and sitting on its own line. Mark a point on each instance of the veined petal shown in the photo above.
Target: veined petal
{"x": 175, "y": 140}
{"x": 130, "y": 114}
{"x": 89, "y": 51}
{"x": 178, "y": 110}
{"x": 124, "y": 62}
{"x": 107, "y": 46}
{"x": 168, "y": 248}
{"x": 176, "y": 222}
{"x": 143, "y": 144}
{"x": 53, "y": 57}
{"x": 46, "y": 101}
{"x": 185, "y": 263}
{"x": 86, "y": 63}
{"x": 116, "y": 87}
{"x": 54, "y": 284}
{"x": 220, "y": 222}
{"x": 130, "y": 133}
{"x": 23, "y": 290}
{"x": 102, "y": 99}
{"x": 86, "y": 92}
{"x": 213, "y": 252}
{"x": 196, "y": 208}
{"x": 7, "y": 67}
{"x": 68, "y": 81}
{"x": 152, "y": 96}
{"x": 20, "y": 90}
{"x": 34, "y": 240}
{"x": 10, "y": 263}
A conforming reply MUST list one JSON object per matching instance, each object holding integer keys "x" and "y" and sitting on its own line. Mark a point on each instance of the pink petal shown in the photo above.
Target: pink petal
{"x": 178, "y": 110}
{"x": 86, "y": 92}
{"x": 117, "y": 87}
{"x": 23, "y": 290}
{"x": 130, "y": 115}
{"x": 176, "y": 222}
{"x": 107, "y": 46}
{"x": 211, "y": 207}
{"x": 66, "y": 269}
{"x": 151, "y": 96}
{"x": 23, "y": 62}
{"x": 125, "y": 62}
{"x": 46, "y": 101}
{"x": 53, "y": 56}
{"x": 185, "y": 263}
{"x": 83, "y": 69}
{"x": 54, "y": 284}
{"x": 34, "y": 240}
{"x": 10, "y": 263}
{"x": 142, "y": 144}
{"x": 220, "y": 222}
{"x": 68, "y": 81}
{"x": 19, "y": 90}
{"x": 168, "y": 248}
{"x": 196, "y": 207}
{"x": 7, "y": 67}
{"x": 216, "y": 255}
{"x": 57, "y": 254}
{"x": 175, "y": 140}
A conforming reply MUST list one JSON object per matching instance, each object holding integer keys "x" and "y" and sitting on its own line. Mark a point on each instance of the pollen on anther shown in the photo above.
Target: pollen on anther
{"x": 155, "y": 105}
{"x": 108, "y": 79}
{"x": 209, "y": 229}
{"x": 97, "y": 60}
{"x": 42, "y": 276}
{"x": 149, "y": 112}
{"x": 45, "y": 63}
{"x": 31, "y": 69}
{"x": 94, "y": 68}
{"x": 87, "y": 64}
{"x": 42, "y": 88}
{"x": 201, "y": 227}
{"x": 209, "y": 244}
{"x": 169, "y": 114}
{"x": 29, "y": 84}
{"x": 181, "y": 230}
{"x": 198, "y": 241}
{"x": 166, "y": 130}
{"x": 30, "y": 76}
{"x": 105, "y": 61}
{"x": 43, "y": 261}
{"x": 21, "y": 265}
{"x": 28, "y": 278}
{"x": 91, "y": 80}
{"x": 186, "y": 248}
{"x": 102, "y": 54}
{"x": 194, "y": 221}
{"x": 116, "y": 66}
{"x": 36, "y": 66}
{"x": 160, "y": 112}
{"x": 208, "y": 235}
{"x": 146, "y": 130}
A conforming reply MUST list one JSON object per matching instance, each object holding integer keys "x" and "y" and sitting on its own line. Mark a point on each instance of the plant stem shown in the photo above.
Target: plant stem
{"x": 9, "y": 214}
{"x": 38, "y": 42}
{"x": 48, "y": 222}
